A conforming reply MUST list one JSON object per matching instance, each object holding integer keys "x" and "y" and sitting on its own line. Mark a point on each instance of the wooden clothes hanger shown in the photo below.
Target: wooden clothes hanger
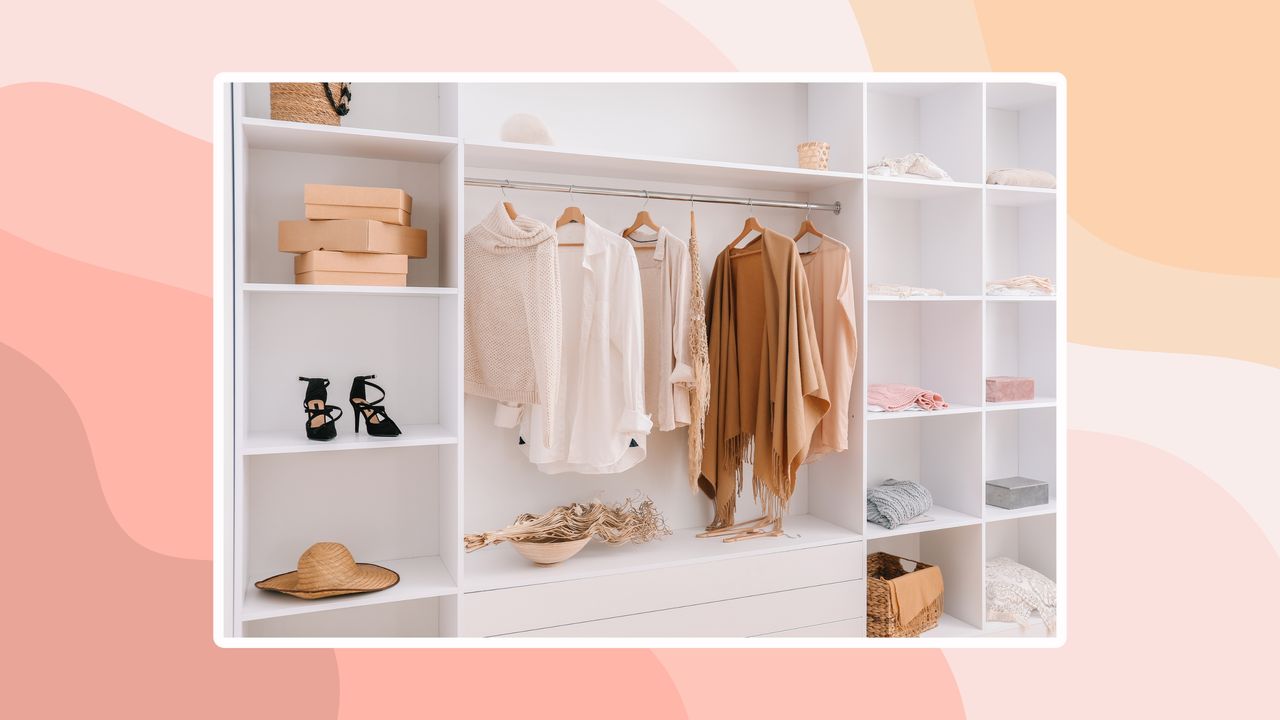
{"x": 571, "y": 214}
{"x": 643, "y": 219}
{"x": 808, "y": 228}
{"x": 511, "y": 209}
{"x": 750, "y": 226}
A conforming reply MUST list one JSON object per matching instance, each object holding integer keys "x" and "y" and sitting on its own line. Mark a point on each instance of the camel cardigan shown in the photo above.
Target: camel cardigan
{"x": 768, "y": 392}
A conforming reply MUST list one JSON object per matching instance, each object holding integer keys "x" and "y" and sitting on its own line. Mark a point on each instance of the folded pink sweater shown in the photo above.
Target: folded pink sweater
{"x": 897, "y": 397}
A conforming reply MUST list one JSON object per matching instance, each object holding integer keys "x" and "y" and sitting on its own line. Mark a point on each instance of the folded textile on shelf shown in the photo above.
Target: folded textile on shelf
{"x": 913, "y": 164}
{"x": 1015, "y": 591}
{"x": 902, "y": 290}
{"x": 1022, "y": 177}
{"x": 1021, "y": 285}
{"x": 897, "y": 502}
{"x": 894, "y": 396}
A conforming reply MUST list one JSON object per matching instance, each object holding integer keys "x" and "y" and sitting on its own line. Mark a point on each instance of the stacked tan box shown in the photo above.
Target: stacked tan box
{"x": 353, "y": 236}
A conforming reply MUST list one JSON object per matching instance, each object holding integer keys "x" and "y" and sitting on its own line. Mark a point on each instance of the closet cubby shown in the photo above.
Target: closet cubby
{"x": 935, "y": 345}
{"x": 419, "y": 108}
{"x": 284, "y": 157}
{"x": 395, "y": 508}
{"x": 1020, "y": 233}
{"x": 1021, "y": 127}
{"x": 957, "y": 552}
{"x": 1030, "y": 541}
{"x": 1021, "y": 341}
{"x": 1022, "y": 442}
{"x": 925, "y": 235}
{"x": 941, "y": 453}
{"x": 941, "y": 120}
{"x": 405, "y": 503}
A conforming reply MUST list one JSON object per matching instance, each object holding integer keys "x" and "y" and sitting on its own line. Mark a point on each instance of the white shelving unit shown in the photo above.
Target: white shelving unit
{"x": 406, "y": 502}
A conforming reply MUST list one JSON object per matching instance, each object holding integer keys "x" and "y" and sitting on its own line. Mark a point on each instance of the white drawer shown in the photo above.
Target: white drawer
{"x": 531, "y": 607}
{"x": 856, "y": 627}
{"x": 740, "y": 617}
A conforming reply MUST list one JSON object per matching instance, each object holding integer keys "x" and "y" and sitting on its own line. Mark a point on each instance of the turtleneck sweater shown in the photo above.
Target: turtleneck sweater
{"x": 511, "y": 312}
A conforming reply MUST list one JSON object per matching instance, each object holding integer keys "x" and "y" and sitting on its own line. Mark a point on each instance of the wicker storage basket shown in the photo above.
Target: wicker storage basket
{"x": 814, "y": 155}
{"x": 881, "y": 620}
{"x": 318, "y": 103}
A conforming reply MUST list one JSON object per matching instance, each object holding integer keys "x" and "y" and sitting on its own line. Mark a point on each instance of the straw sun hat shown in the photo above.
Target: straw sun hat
{"x": 327, "y": 569}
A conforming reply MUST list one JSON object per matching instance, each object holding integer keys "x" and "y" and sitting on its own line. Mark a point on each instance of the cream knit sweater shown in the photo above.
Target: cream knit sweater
{"x": 511, "y": 326}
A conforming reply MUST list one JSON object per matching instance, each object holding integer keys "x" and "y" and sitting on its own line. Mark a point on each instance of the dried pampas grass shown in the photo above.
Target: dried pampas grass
{"x": 632, "y": 521}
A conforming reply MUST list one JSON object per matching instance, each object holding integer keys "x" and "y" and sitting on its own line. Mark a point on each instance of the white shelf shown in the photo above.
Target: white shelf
{"x": 1021, "y": 298}
{"x": 943, "y": 518}
{"x": 502, "y": 567}
{"x": 1017, "y": 196}
{"x": 496, "y": 157}
{"x": 923, "y": 298}
{"x": 1035, "y": 628}
{"x": 949, "y": 626}
{"x": 994, "y": 514}
{"x": 295, "y": 441}
{"x": 420, "y": 577}
{"x": 345, "y": 142}
{"x": 287, "y": 288}
{"x": 1037, "y": 402}
{"x": 908, "y": 414}
{"x": 915, "y": 188}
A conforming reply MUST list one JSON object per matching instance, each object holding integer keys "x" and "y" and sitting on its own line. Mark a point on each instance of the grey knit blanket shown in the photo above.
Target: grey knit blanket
{"x": 896, "y": 502}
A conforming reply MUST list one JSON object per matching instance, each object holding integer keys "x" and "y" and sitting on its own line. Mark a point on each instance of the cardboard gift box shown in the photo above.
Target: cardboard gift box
{"x": 358, "y": 236}
{"x": 1013, "y": 493}
{"x": 337, "y": 277}
{"x": 350, "y": 202}
{"x": 329, "y": 261}
{"x": 1004, "y": 388}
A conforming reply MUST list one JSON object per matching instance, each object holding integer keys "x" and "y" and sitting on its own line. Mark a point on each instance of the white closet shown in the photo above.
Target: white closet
{"x": 406, "y": 502}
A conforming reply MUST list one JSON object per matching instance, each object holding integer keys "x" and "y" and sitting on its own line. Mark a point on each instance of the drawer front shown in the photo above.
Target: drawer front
{"x": 531, "y": 607}
{"x": 740, "y": 617}
{"x": 856, "y": 627}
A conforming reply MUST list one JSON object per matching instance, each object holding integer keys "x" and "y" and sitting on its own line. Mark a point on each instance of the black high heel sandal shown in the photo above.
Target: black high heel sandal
{"x": 321, "y": 422}
{"x": 376, "y": 420}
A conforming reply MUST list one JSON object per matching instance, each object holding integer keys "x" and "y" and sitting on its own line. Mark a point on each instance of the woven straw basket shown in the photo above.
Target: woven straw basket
{"x": 814, "y": 155}
{"x": 550, "y": 553}
{"x": 317, "y": 103}
{"x": 881, "y": 620}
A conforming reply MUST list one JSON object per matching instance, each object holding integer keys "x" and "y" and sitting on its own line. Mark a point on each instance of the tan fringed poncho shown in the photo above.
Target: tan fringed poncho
{"x": 768, "y": 392}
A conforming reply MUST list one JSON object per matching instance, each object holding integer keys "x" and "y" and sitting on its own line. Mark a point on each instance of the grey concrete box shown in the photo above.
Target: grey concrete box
{"x": 1012, "y": 493}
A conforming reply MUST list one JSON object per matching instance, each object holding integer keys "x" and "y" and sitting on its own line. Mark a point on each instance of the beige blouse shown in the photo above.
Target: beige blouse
{"x": 830, "y": 279}
{"x": 665, "y": 289}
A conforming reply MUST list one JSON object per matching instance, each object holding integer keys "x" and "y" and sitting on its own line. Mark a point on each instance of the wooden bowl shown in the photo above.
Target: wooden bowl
{"x": 550, "y": 553}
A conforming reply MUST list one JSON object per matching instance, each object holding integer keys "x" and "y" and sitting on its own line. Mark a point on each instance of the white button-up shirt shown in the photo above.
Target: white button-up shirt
{"x": 601, "y": 421}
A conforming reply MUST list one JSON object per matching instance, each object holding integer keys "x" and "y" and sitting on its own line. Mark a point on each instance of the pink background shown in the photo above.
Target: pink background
{"x": 105, "y": 346}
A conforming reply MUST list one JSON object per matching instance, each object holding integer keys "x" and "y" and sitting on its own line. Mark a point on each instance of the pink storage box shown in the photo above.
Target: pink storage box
{"x": 1005, "y": 388}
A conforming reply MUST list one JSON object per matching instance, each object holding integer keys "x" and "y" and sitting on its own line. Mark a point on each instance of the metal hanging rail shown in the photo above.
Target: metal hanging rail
{"x": 649, "y": 194}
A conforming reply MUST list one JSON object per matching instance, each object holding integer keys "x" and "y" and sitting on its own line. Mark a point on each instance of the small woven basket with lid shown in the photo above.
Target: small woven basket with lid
{"x": 317, "y": 103}
{"x": 814, "y": 155}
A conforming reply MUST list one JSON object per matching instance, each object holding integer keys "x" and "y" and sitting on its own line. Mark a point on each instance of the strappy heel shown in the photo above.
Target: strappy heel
{"x": 321, "y": 422}
{"x": 376, "y": 420}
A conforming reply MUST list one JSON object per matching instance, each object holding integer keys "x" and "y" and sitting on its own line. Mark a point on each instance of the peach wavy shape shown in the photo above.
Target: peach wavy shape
{"x": 1169, "y": 577}
{"x": 506, "y": 684}
{"x": 1215, "y": 414}
{"x": 832, "y": 38}
{"x": 98, "y": 626}
{"x": 135, "y": 358}
{"x": 814, "y": 683}
{"x": 93, "y": 180}
{"x": 1120, "y": 300}
{"x": 1139, "y": 99}
{"x": 168, "y": 75}
{"x": 921, "y": 36}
